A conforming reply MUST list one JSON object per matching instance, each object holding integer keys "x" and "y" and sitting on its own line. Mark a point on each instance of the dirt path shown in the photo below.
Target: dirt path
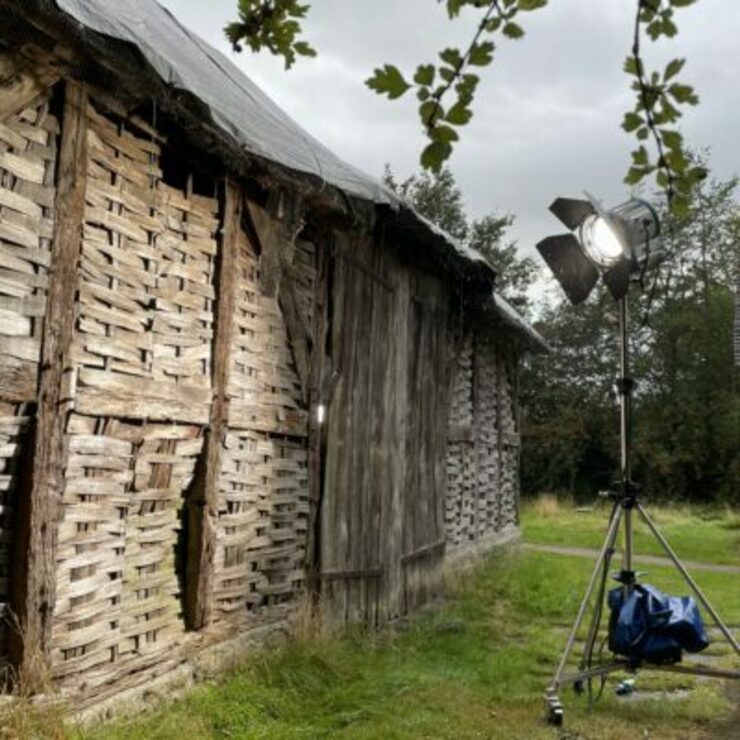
{"x": 586, "y": 552}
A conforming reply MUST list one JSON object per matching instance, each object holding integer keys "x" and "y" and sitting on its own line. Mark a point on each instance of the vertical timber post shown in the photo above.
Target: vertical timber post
{"x": 33, "y": 582}
{"x": 499, "y": 360}
{"x": 203, "y": 503}
{"x": 315, "y": 428}
{"x": 476, "y": 435}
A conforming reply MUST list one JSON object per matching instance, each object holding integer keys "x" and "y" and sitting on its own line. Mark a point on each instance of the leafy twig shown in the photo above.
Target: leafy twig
{"x": 657, "y": 107}
{"x": 440, "y": 124}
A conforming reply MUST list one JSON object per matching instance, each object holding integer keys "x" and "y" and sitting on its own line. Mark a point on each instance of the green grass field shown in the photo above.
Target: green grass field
{"x": 475, "y": 668}
{"x": 699, "y": 534}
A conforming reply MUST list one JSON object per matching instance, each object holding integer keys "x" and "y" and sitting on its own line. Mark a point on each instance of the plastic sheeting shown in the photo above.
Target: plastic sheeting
{"x": 186, "y": 62}
{"x": 649, "y": 625}
{"x": 241, "y": 110}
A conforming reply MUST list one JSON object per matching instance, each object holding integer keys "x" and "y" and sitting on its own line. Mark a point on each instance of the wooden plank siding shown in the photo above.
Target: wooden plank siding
{"x": 383, "y": 499}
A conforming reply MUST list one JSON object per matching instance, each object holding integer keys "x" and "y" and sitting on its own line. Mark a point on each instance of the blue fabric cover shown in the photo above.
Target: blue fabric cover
{"x": 652, "y": 626}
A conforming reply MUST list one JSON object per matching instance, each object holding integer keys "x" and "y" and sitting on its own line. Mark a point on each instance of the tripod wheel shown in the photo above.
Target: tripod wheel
{"x": 554, "y": 711}
{"x": 555, "y": 717}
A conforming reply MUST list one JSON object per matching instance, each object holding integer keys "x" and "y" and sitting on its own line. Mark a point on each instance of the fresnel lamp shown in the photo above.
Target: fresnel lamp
{"x": 614, "y": 244}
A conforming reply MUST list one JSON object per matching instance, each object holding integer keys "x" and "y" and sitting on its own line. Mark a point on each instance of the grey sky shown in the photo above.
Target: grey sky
{"x": 548, "y": 110}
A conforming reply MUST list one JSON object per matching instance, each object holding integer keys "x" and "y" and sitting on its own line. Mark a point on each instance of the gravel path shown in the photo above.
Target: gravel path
{"x": 586, "y": 552}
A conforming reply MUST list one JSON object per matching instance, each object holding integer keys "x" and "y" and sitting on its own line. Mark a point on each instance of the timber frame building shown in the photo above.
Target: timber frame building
{"x": 233, "y": 368}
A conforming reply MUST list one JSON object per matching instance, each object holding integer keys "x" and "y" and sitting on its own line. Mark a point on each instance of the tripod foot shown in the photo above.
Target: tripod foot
{"x": 554, "y": 710}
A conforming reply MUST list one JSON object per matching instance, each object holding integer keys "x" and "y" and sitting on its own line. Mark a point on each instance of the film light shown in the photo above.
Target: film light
{"x": 614, "y": 245}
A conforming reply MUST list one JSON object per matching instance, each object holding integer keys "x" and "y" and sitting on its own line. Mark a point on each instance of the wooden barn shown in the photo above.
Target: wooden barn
{"x": 233, "y": 369}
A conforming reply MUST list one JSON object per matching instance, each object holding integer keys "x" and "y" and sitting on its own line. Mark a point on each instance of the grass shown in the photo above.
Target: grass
{"x": 475, "y": 668}
{"x": 698, "y": 534}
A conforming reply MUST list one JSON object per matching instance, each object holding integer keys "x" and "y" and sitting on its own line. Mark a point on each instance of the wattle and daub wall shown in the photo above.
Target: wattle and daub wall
{"x": 164, "y": 476}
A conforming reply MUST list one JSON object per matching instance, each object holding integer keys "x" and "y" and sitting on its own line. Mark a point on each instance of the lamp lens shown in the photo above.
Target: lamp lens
{"x": 601, "y": 241}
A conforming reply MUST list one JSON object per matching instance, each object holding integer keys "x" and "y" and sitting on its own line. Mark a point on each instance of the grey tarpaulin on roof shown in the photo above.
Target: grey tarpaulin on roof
{"x": 513, "y": 318}
{"x": 238, "y": 107}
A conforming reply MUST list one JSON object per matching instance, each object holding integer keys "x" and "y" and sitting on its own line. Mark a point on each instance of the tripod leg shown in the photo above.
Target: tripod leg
{"x": 608, "y": 543}
{"x": 703, "y": 599}
{"x": 595, "y": 620}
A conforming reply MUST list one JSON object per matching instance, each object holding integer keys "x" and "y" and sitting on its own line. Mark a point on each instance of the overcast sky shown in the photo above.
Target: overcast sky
{"x": 548, "y": 110}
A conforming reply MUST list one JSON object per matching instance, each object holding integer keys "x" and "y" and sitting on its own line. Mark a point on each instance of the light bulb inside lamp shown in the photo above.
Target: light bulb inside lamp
{"x": 601, "y": 241}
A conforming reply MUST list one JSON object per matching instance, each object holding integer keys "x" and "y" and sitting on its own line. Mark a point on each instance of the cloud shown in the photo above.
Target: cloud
{"x": 548, "y": 110}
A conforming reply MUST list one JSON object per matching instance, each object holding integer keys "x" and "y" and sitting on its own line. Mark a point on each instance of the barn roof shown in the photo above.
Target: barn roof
{"x": 242, "y": 112}
{"x": 237, "y": 105}
{"x": 509, "y": 315}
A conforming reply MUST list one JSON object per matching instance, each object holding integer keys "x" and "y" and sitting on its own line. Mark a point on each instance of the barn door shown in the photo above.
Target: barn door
{"x": 425, "y": 448}
{"x": 359, "y": 477}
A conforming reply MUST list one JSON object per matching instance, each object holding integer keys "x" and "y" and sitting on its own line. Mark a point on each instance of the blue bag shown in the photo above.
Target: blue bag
{"x": 652, "y": 626}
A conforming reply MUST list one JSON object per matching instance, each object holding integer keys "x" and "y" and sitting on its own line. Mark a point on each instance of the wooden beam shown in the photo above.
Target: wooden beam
{"x": 476, "y": 433}
{"x": 499, "y": 430}
{"x": 316, "y": 430}
{"x": 19, "y": 87}
{"x": 33, "y": 583}
{"x": 203, "y": 500}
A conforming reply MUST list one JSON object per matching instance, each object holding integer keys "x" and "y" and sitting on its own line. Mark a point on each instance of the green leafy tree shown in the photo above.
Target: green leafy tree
{"x": 569, "y": 414}
{"x": 515, "y": 274}
{"x": 437, "y": 197}
{"x": 446, "y": 87}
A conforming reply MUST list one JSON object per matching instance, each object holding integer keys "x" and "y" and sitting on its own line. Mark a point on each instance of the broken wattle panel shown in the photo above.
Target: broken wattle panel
{"x": 263, "y": 482}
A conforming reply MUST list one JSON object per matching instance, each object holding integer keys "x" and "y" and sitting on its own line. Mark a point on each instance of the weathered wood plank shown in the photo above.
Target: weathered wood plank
{"x": 17, "y": 379}
{"x": 460, "y": 433}
{"x": 398, "y": 429}
{"x": 203, "y": 500}
{"x": 20, "y": 88}
{"x": 34, "y": 580}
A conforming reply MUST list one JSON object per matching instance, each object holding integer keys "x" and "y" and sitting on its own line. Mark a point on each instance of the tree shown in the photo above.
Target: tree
{"x": 515, "y": 274}
{"x": 659, "y": 95}
{"x": 437, "y": 197}
{"x": 569, "y": 413}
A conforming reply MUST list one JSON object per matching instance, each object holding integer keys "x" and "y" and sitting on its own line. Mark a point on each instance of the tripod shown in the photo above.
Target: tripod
{"x": 626, "y": 505}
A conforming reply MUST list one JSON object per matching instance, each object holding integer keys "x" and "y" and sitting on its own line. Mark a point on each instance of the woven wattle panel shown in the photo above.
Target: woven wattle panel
{"x": 482, "y": 474}
{"x": 141, "y": 393}
{"x": 145, "y": 324}
{"x": 263, "y": 505}
{"x": 460, "y": 513}
{"x": 14, "y": 428}
{"x": 28, "y": 146}
{"x": 489, "y": 485}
